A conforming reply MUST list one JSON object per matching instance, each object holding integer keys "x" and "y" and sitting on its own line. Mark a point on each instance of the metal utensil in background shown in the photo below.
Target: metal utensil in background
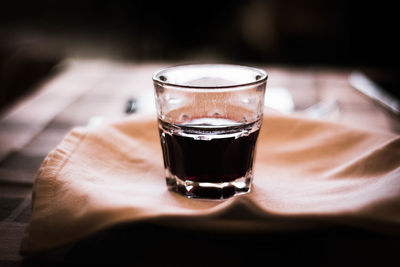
{"x": 131, "y": 105}
{"x": 365, "y": 85}
{"x": 326, "y": 108}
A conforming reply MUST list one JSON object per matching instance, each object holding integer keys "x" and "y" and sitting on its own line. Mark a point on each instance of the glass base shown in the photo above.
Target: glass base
{"x": 205, "y": 190}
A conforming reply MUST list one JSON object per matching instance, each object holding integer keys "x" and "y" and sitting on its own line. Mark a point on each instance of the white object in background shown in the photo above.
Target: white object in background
{"x": 146, "y": 103}
{"x": 96, "y": 121}
{"x": 279, "y": 99}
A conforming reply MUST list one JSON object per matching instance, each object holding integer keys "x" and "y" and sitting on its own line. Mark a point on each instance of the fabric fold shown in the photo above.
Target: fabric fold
{"x": 307, "y": 173}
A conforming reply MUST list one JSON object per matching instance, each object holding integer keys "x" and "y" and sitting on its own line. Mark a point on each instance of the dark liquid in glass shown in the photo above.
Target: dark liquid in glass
{"x": 209, "y": 157}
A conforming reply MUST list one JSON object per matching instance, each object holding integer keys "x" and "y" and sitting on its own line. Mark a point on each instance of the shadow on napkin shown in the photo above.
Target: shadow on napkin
{"x": 308, "y": 174}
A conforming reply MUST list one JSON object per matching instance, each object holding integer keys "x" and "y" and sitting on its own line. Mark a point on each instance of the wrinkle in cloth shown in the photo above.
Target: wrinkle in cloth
{"x": 307, "y": 172}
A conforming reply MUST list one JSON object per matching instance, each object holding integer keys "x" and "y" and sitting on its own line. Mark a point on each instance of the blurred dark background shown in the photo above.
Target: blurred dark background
{"x": 35, "y": 35}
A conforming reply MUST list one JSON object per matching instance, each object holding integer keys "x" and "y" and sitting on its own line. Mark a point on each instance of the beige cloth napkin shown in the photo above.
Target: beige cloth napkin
{"x": 307, "y": 173}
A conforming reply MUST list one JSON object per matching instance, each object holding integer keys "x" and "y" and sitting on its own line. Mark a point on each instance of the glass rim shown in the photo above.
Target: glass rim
{"x": 262, "y": 79}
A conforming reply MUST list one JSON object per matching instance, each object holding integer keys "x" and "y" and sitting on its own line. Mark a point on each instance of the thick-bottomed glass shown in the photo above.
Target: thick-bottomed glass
{"x": 209, "y": 117}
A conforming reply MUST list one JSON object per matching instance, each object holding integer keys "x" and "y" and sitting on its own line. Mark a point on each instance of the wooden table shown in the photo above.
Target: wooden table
{"x": 80, "y": 91}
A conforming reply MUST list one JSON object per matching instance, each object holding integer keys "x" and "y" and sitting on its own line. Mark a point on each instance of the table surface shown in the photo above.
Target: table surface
{"x": 83, "y": 91}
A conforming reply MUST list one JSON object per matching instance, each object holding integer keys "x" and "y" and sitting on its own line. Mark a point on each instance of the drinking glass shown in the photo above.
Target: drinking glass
{"x": 209, "y": 118}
